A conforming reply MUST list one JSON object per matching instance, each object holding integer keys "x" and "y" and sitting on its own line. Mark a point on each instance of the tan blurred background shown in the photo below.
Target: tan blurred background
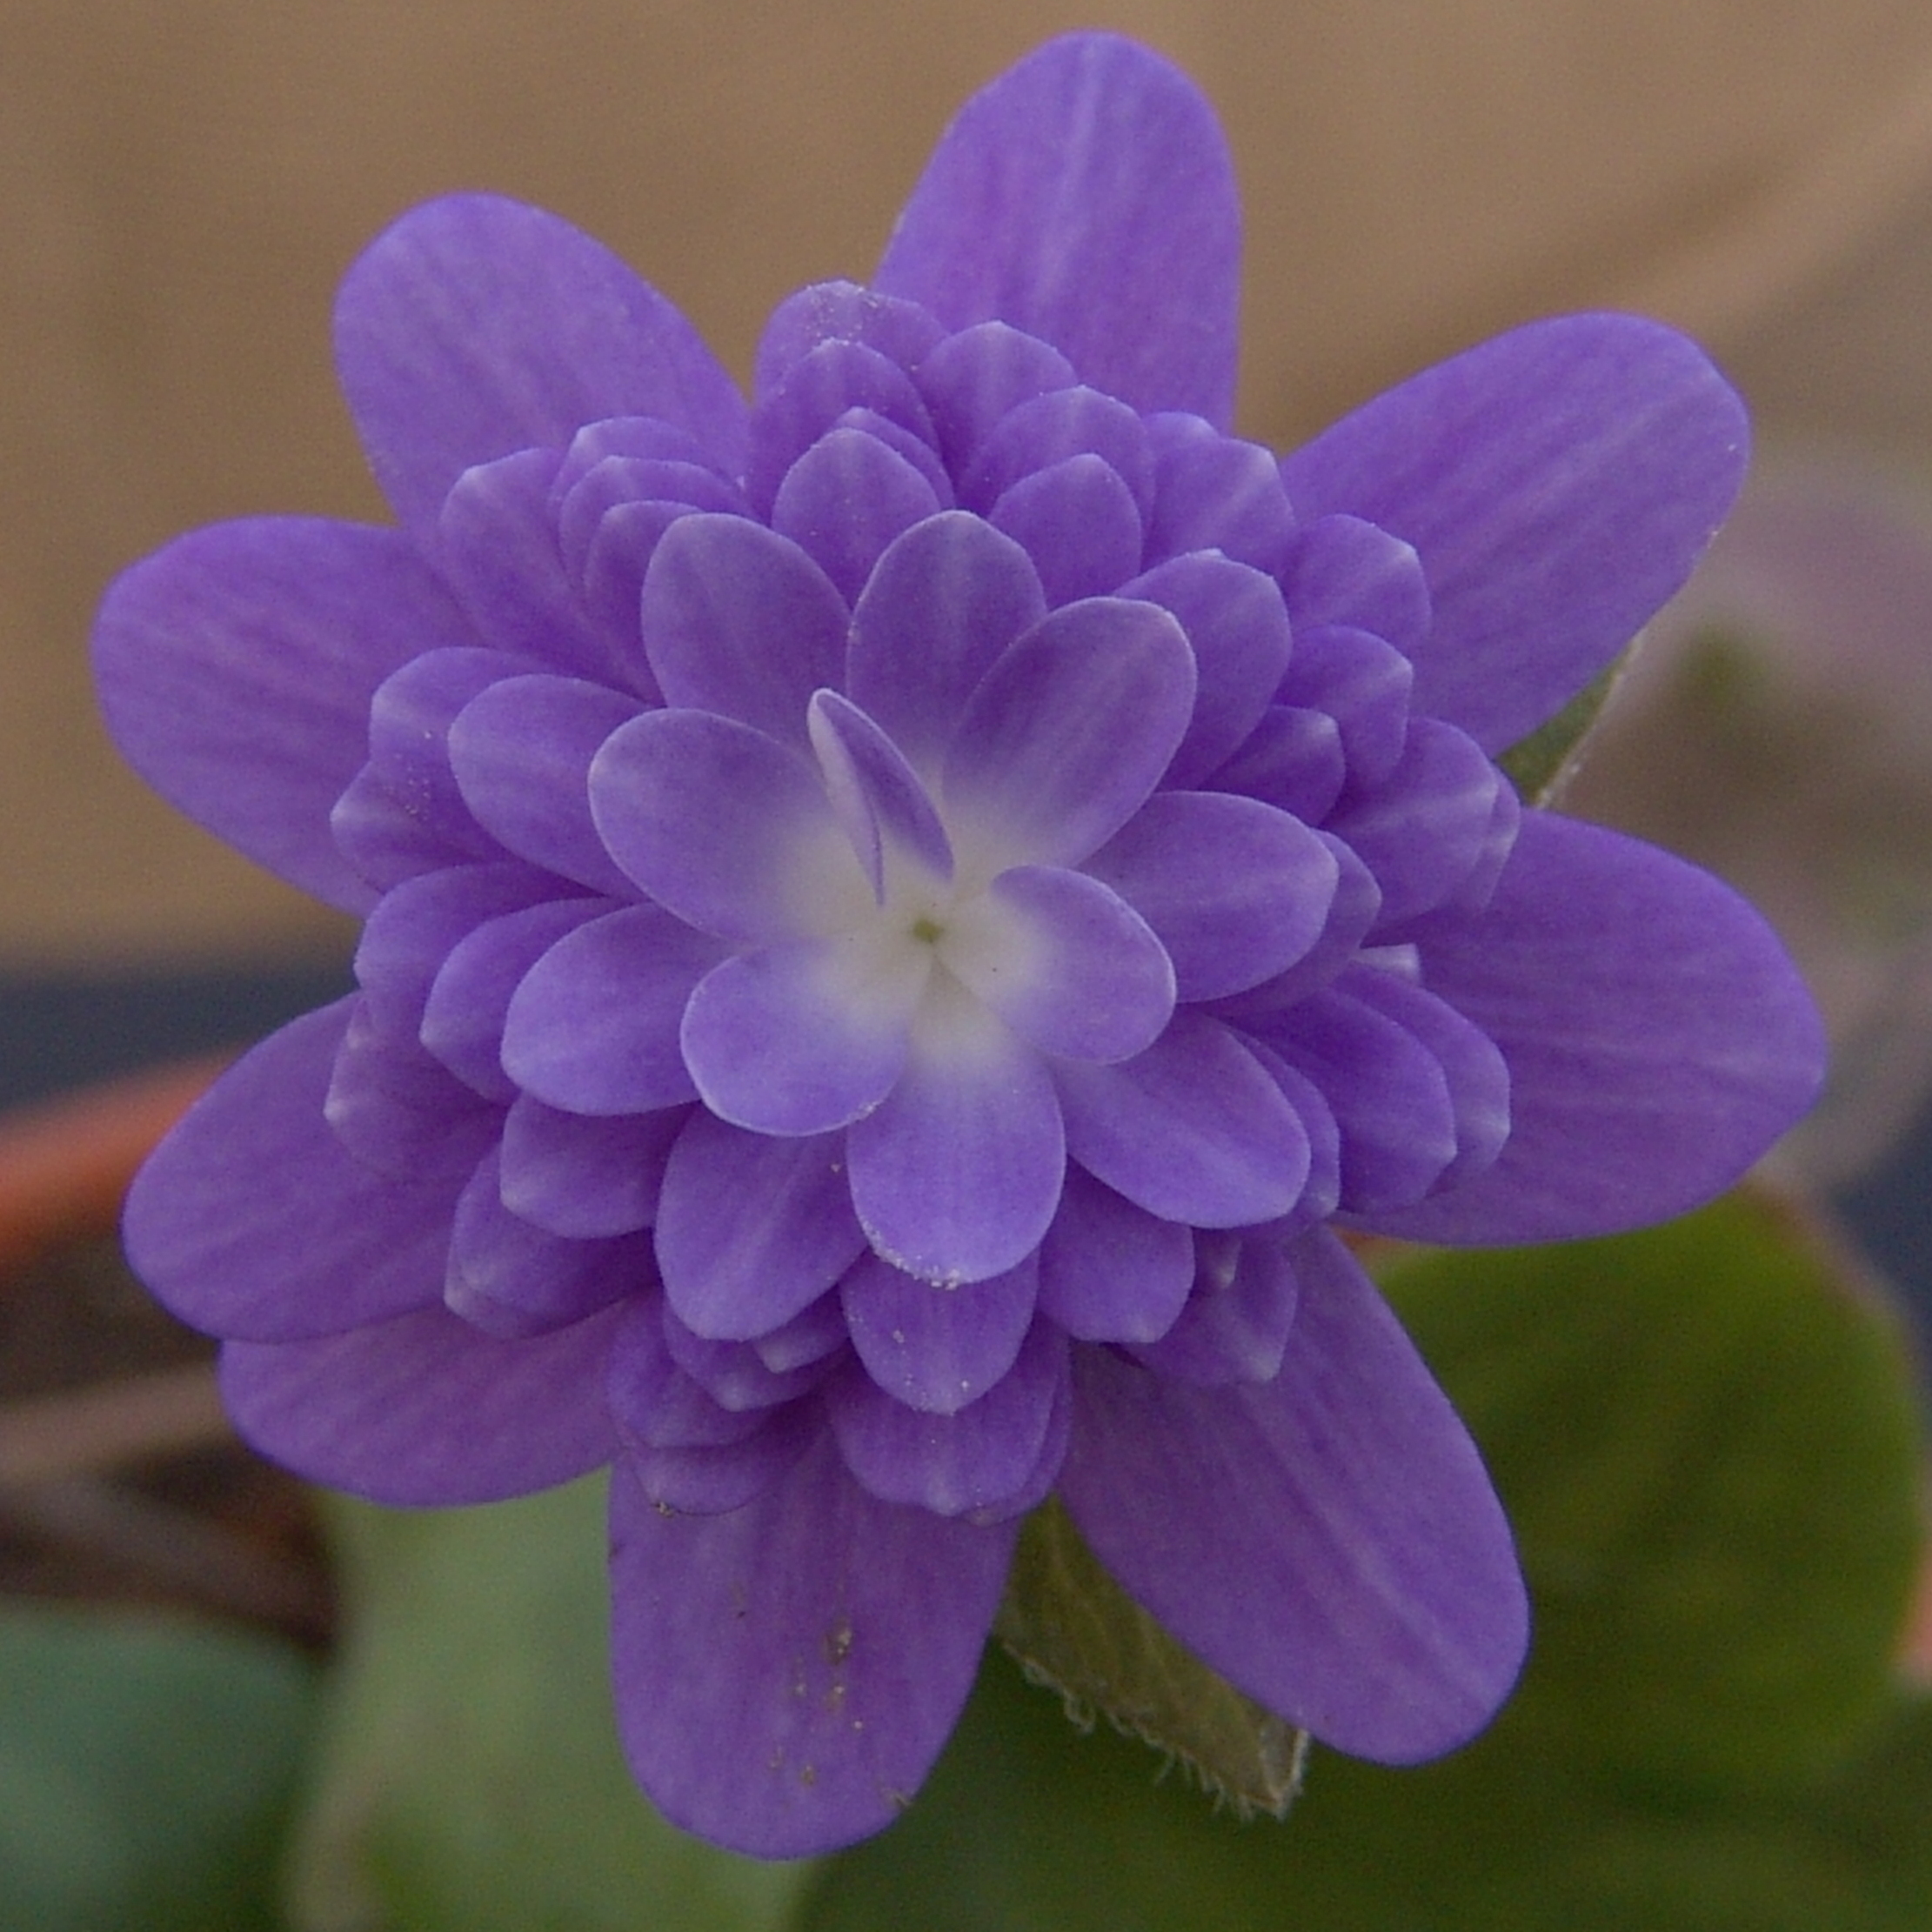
{"x": 182, "y": 183}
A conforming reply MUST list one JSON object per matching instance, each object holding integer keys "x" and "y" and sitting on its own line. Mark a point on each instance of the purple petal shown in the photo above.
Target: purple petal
{"x": 656, "y": 1404}
{"x": 944, "y": 601}
{"x": 584, "y": 1176}
{"x": 956, "y": 1173}
{"x": 841, "y": 311}
{"x": 740, "y": 620}
{"x": 1558, "y": 484}
{"x": 1038, "y": 434}
{"x": 511, "y": 1280}
{"x": 497, "y": 549}
{"x": 1238, "y": 629}
{"x": 1235, "y": 891}
{"x": 1657, "y": 1038}
{"x": 423, "y": 1410}
{"x": 801, "y": 1037}
{"x": 713, "y": 1481}
{"x": 973, "y": 1459}
{"x": 476, "y": 327}
{"x": 845, "y": 500}
{"x": 1224, "y": 495}
{"x": 722, "y": 824}
{"x": 733, "y": 1373}
{"x": 401, "y": 1111}
{"x": 1329, "y": 1542}
{"x": 1354, "y": 909}
{"x": 972, "y": 378}
{"x": 932, "y": 1349}
{"x": 1340, "y": 569}
{"x": 236, "y": 668}
{"x": 1067, "y": 963}
{"x": 752, "y": 1229}
{"x": 521, "y": 752}
{"x": 593, "y": 1026}
{"x": 1110, "y": 1270}
{"x": 1193, "y": 1130}
{"x": 1365, "y": 685}
{"x": 1086, "y": 197}
{"x": 250, "y": 1221}
{"x": 1293, "y": 759}
{"x": 469, "y": 1001}
{"x": 1389, "y": 1093}
{"x": 786, "y": 1673}
{"x": 815, "y": 1333}
{"x": 824, "y": 386}
{"x": 877, "y": 795}
{"x": 617, "y": 481}
{"x": 1078, "y": 522}
{"x": 1070, "y": 730}
{"x": 1236, "y": 1325}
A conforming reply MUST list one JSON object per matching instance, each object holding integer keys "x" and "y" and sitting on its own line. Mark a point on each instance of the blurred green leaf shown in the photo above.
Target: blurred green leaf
{"x": 472, "y": 1778}
{"x": 1073, "y": 1627}
{"x": 1708, "y": 1441}
{"x": 146, "y": 1768}
{"x": 1540, "y": 766}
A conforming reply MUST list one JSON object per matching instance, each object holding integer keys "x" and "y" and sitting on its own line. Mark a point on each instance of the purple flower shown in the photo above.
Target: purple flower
{"x": 897, "y": 920}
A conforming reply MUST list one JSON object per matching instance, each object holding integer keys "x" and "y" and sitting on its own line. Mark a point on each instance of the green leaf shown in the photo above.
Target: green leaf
{"x": 146, "y": 1768}
{"x": 473, "y": 1779}
{"x": 1540, "y": 766}
{"x": 1707, "y": 1438}
{"x": 1071, "y": 1626}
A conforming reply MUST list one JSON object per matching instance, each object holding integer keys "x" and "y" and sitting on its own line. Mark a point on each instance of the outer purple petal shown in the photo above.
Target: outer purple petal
{"x": 250, "y": 1221}
{"x": 236, "y": 668}
{"x": 426, "y": 1410}
{"x": 1558, "y": 484}
{"x": 1658, "y": 1040}
{"x": 1087, "y": 196}
{"x": 956, "y": 1173}
{"x": 1329, "y": 1542}
{"x": 937, "y": 1349}
{"x": 476, "y": 327}
{"x": 752, "y": 1229}
{"x": 786, "y": 1673}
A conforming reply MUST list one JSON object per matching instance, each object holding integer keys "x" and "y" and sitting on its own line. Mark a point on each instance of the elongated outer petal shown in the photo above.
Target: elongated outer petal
{"x": 1558, "y": 484}
{"x": 476, "y": 326}
{"x": 1086, "y": 197}
{"x": 786, "y": 1673}
{"x": 1658, "y": 1038}
{"x": 426, "y": 1410}
{"x": 1329, "y": 1542}
{"x": 250, "y": 1220}
{"x": 236, "y": 668}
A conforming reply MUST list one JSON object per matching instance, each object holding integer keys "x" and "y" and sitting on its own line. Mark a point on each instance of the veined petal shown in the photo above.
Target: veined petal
{"x": 1329, "y": 1542}
{"x": 936, "y": 1349}
{"x": 1070, "y": 730}
{"x": 956, "y": 1173}
{"x": 475, "y": 327}
{"x": 424, "y": 1410}
{"x": 1558, "y": 484}
{"x": 250, "y": 1219}
{"x": 236, "y": 668}
{"x": 1086, "y": 197}
{"x": 789, "y": 1232}
{"x": 1658, "y": 1038}
{"x": 878, "y": 1610}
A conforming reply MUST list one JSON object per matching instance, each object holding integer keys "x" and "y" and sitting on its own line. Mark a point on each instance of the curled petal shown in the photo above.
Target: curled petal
{"x": 877, "y": 795}
{"x": 1086, "y": 197}
{"x": 1329, "y": 1540}
{"x": 786, "y": 1674}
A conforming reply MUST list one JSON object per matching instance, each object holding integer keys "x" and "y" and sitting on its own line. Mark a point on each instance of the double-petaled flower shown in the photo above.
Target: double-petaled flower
{"x": 900, "y": 920}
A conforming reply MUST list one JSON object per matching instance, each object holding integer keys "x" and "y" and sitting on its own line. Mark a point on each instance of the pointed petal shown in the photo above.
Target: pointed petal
{"x": 936, "y": 1349}
{"x": 956, "y": 1173}
{"x": 250, "y": 1220}
{"x": 1329, "y": 1542}
{"x": 476, "y": 327}
{"x": 424, "y": 1410}
{"x": 1086, "y": 197}
{"x": 786, "y": 1673}
{"x": 236, "y": 669}
{"x": 593, "y": 1026}
{"x": 1657, "y": 1038}
{"x": 752, "y": 1229}
{"x": 1558, "y": 484}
